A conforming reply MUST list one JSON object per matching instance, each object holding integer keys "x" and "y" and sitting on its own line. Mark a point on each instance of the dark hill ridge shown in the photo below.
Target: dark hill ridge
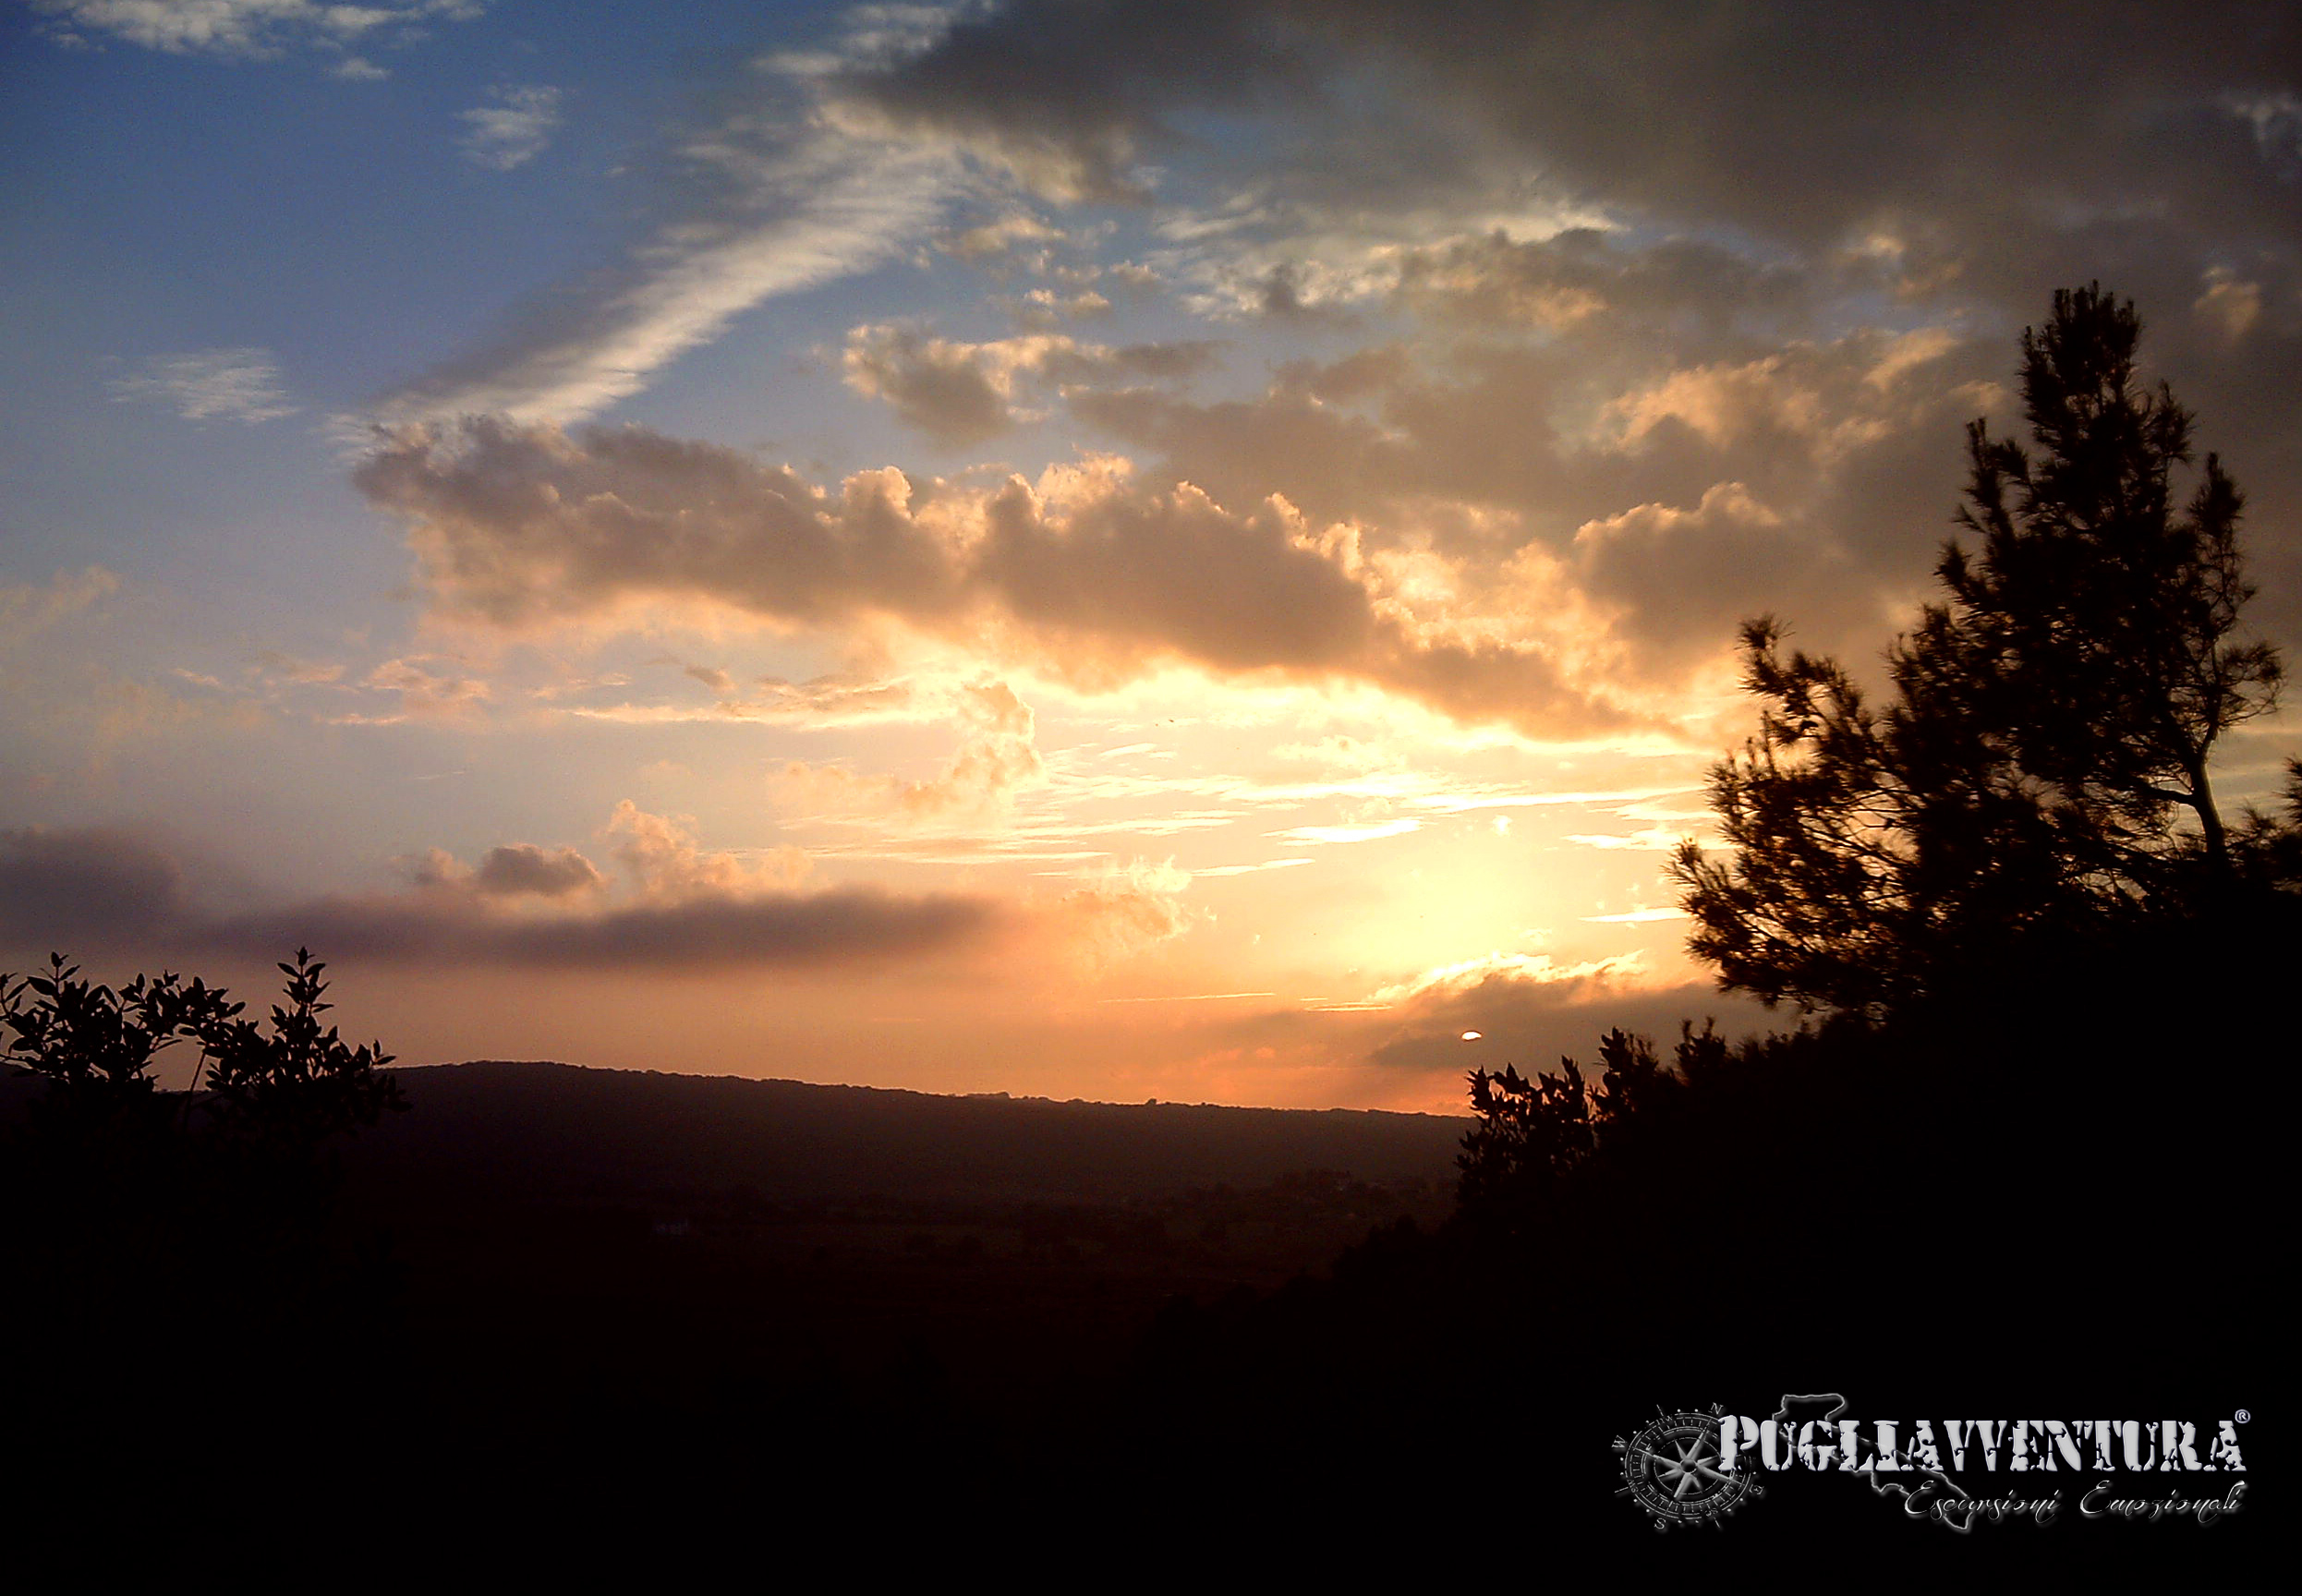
{"x": 561, "y": 1131}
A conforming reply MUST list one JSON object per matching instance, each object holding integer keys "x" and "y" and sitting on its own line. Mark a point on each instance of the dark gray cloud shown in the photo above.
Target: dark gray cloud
{"x": 514, "y": 870}
{"x": 961, "y": 393}
{"x": 1524, "y": 1011}
{"x": 1075, "y": 95}
{"x": 61, "y": 890}
{"x": 1801, "y": 119}
{"x": 523, "y": 870}
{"x": 1774, "y": 172}
{"x": 957, "y": 395}
{"x": 519, "y": 524}
{"x": 836, "y": 926}
{"x": 1685, "y": 578}
{"x": 96, "y": 892}
{"x": 1673, "y": 494}
{"x": 1620, "y": 300}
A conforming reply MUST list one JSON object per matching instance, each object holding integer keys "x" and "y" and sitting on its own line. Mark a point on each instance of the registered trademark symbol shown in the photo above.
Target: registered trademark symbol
{"x": 2244, "y": 1415}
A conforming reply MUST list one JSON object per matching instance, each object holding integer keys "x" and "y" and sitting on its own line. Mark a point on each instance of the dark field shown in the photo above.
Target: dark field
{"x": 694, "y": 1266}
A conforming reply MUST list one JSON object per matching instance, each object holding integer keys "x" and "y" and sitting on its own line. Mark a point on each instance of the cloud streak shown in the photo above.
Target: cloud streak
{"x": 247, "y": 28}
{"x": 237, "y": 384}
{"x": 674, "y": 907}
{"x": 109, "y": 891}
{"x": 826, "y": 212}
{"x": 838, "y": 925}
{"x": 778, "y": 196}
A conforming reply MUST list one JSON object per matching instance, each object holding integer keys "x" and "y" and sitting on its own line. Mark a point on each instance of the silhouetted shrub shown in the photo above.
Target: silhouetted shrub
{"x": 186, "y": 1279}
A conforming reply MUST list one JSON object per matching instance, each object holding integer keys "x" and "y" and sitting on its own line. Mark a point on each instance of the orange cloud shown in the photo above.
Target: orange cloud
{"x": 1085, "y": 574}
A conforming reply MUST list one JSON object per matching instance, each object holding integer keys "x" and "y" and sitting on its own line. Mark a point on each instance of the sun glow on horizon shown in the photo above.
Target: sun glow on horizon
{"x": 742, "y": 542}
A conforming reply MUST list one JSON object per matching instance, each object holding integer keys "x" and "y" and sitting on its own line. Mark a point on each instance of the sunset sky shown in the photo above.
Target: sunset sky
{"x": 1133, "y": 548}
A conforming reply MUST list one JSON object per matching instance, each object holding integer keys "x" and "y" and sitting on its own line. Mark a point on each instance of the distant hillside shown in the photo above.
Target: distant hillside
{"x": 561, "y": 1131}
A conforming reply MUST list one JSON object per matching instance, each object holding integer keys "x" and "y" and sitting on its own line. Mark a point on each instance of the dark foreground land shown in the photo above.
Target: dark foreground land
{"x": 692, "y": 1269}
{"x": 570, "y": 1290}
{"x": 607, "y": 1299}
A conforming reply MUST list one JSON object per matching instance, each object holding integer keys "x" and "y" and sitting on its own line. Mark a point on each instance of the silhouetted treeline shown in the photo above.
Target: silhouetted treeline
{"x": 2042, "y": 1194}
{"x": 2045, "y": 1194}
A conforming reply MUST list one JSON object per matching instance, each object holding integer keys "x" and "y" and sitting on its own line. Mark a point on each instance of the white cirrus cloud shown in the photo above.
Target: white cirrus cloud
{"x": 790, "y": 219}
{"x": 256, "y": 29}
{"x": 512, "y": 129}
{"x": 1654, "y": 839}
{"x": 1303, "y": 835}
{"x": 785, "y": 197}
{"x": 235, "y": 384}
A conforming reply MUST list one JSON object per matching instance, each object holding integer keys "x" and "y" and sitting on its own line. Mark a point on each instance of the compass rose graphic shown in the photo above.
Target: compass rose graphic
{"x": 1671, "y": 1469}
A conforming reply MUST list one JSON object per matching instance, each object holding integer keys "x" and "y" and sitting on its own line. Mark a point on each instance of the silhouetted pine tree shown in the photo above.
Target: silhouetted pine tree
{"x": 2041, "y": 767}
